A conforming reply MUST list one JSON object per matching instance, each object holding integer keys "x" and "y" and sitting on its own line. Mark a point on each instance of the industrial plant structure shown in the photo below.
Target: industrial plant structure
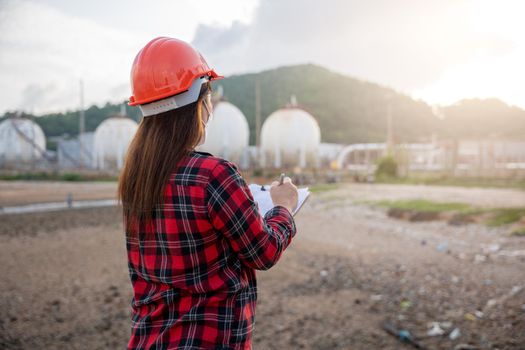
{"x": 290, "y": 137}
{"x": 111, "y": 141}
{"x": 22, "y": 142}
{"x": 228, "y": 134}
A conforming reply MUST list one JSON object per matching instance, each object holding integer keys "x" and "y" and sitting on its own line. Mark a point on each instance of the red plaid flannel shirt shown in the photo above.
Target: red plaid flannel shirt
{"x": 193, "y": 265}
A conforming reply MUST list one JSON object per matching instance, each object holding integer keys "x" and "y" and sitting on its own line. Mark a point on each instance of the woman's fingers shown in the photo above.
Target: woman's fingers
{"x": 285, "y": 180}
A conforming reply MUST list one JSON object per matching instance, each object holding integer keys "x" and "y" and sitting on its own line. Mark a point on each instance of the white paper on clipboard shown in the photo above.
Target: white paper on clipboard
{"x": 261, "y": 194}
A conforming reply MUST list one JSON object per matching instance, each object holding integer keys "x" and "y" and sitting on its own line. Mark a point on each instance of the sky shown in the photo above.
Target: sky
{"x": 440, "y": 51}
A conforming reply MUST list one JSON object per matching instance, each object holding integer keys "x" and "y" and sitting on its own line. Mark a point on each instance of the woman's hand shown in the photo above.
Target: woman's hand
{"x": 285, "y": 195}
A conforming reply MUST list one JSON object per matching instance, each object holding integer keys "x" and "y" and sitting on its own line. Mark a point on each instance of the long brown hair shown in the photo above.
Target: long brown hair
{"x": 160, "y": 142}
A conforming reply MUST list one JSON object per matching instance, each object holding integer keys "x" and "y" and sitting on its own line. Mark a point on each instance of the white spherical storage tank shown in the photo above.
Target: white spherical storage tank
{"x": 21, "y": 140}
{"x": 228, "y": 134}
{"x": 290, "y": 137}
{"x": 111, "y": 141}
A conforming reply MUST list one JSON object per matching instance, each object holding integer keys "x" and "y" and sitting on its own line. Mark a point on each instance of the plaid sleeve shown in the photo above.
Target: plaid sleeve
{"x": 257, "y": 241}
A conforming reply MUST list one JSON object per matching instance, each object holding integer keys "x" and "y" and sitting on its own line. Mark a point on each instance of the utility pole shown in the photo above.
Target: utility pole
{"x": 81, "y": 125}
{"x": 389, "y": 126}
{"x": 32, "y": 118}
{"x": 257, "y": 119}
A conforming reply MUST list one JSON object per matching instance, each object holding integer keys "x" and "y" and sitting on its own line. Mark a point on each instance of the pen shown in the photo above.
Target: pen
{"x": 281, "y": 179}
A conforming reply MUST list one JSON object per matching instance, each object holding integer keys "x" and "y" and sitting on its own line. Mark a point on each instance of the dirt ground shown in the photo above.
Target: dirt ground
{"x": 350, "y": 268}
{"x": 27, "y": 192}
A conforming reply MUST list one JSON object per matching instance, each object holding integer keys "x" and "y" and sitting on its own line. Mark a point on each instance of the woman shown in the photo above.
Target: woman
{"x": 194, "y": 235}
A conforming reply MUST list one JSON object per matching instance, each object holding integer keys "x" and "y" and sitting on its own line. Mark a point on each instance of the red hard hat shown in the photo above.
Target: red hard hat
{"x": 166, "y": 67}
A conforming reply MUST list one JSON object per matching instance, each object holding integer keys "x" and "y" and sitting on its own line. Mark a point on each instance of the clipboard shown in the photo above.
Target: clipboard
{"x": 261, "y": 194}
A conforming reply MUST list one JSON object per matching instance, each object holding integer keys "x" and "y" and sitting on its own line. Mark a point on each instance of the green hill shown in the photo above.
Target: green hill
{"x": 348, "y": 110}
{"x": 476, "y": 119}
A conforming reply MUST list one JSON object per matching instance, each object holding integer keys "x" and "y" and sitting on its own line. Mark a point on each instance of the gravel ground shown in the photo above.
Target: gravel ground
{"x": 349, "y": 269}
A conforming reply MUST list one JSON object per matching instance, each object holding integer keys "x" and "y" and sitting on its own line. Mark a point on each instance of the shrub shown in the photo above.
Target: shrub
{"x": 386, "y": 167}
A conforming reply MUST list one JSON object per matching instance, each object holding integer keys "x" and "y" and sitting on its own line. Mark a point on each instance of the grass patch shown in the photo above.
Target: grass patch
{"x": 452, "y": 181}
{"x": 474, "y": 211}
{"x": 425, "y": 205}
{"x": 323, "y": 187}
{"x": 490, "y": 216}
{"x": 29, "y": 176}
{"x": 519, "y": 232}
{"x": 505, "y": 216}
